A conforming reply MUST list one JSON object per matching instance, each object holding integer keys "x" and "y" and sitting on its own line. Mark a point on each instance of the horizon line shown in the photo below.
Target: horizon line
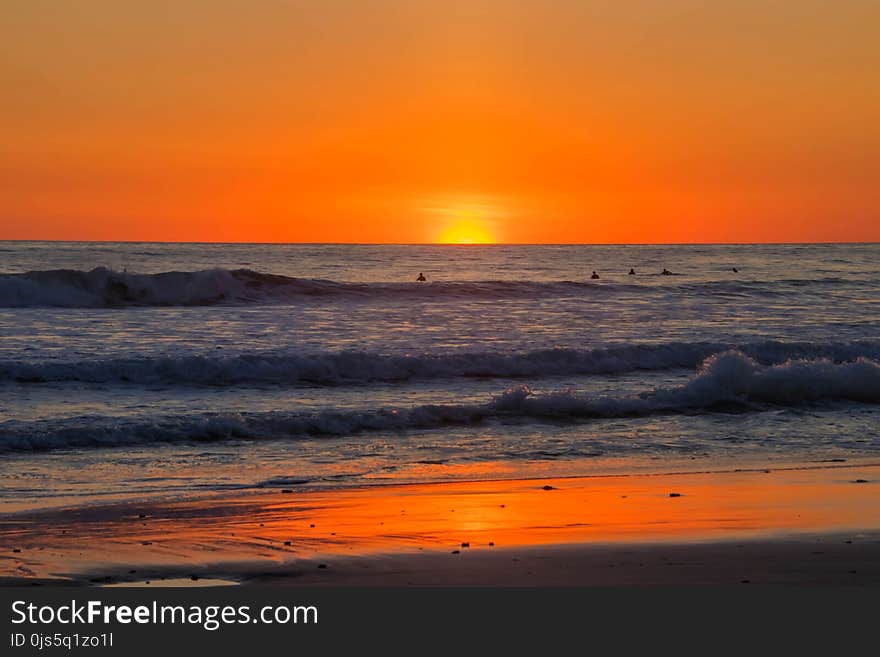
{"x": 444, "y": 244}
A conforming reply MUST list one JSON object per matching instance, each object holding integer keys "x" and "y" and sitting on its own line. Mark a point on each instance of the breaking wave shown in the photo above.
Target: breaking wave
{"x": 352, "y": 367}
{"x": 727, "y": 380}
{"x": 105, "y": 288}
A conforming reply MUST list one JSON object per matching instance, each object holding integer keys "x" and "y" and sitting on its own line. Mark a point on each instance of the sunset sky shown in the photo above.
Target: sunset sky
{"x": 440, "y": 120}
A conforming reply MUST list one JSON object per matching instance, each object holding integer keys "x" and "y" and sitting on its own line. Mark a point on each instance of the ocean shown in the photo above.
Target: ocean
{"x": 134, "y": 370}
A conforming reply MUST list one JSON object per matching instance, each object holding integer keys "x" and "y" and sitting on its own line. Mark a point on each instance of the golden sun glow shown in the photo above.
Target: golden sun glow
{"x": 465, "y": 220}
{"x": 465, "y": 231}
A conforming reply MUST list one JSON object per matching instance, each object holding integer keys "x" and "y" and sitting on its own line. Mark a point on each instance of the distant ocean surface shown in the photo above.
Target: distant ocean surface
{"x": 133, "y": 369}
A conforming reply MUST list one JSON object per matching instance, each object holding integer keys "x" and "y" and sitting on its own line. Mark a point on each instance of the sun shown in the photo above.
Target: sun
{"x": 463, "y": 220}
{"x": 465, "y": 231}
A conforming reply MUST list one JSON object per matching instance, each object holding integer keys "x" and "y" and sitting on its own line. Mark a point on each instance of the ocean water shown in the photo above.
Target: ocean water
{"x": 131, "y": 370}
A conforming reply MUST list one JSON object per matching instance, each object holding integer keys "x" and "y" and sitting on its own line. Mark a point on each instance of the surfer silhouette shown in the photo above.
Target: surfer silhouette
{"x": 595, "y": 275}
{"x": 665, "y": 272}
{"x": 421, "y": 278}
{"x": 632, "y": 272}
{"x": 735, "y": 270}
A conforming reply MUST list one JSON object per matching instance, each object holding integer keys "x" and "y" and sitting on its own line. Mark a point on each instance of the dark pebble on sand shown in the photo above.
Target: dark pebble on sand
{"x": 674, "y": 494}
{"x": 286, "y": 490}
{"x": 322, "y": 565}
{"x": 456, "y": 552}
{"x": 547, "y": 487}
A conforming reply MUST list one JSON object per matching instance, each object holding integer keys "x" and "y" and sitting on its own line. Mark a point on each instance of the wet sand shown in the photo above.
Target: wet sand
{"x": 816, "y": 525}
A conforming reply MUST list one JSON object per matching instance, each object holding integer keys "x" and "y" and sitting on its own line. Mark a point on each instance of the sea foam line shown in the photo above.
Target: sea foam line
{"x": 353, "y": 367}
{"x": 105, "y": 288}
{"x": 729, "y": 379}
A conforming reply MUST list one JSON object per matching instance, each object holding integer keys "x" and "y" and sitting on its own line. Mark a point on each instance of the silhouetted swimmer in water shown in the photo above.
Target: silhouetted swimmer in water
{"x": 421, "y": 278}
{"x": 665, "y": 272}
{"x": 595, "y": 275}
{"x": 632, "y": 272}
{"x": 735, "y": 270}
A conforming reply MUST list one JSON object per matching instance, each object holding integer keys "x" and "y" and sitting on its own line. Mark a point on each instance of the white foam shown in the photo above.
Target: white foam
{"x": 729, "y": 378}
{"x": 105, "y": 288}
{"x": 351, "y": 367}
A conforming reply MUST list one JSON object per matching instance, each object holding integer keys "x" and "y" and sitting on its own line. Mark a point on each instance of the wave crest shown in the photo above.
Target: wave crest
{"x": 105, "y": 288}
{"x": 727, "y": 379}
{"x": 352, "y": 367}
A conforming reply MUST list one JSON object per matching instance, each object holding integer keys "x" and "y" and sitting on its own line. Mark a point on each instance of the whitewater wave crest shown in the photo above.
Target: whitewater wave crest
{"x": 106, "y": 288}
{"x": 727, "y": 380}
{"x": 353, "y": 367}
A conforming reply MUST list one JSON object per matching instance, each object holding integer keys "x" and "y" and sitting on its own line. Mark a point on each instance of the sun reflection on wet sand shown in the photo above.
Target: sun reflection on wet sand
{"x": 285, "y": 527}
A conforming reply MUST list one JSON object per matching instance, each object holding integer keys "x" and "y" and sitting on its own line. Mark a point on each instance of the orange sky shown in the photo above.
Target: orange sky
{"x": 453, "y": 120}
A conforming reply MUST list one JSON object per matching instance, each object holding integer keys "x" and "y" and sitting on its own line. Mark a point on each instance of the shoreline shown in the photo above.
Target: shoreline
{"x": 612, "y": 468}
{"x": 627, "y": 530}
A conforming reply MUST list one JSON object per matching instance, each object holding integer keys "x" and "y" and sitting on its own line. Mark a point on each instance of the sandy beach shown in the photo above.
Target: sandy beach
{"x": 817, "y": 524}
